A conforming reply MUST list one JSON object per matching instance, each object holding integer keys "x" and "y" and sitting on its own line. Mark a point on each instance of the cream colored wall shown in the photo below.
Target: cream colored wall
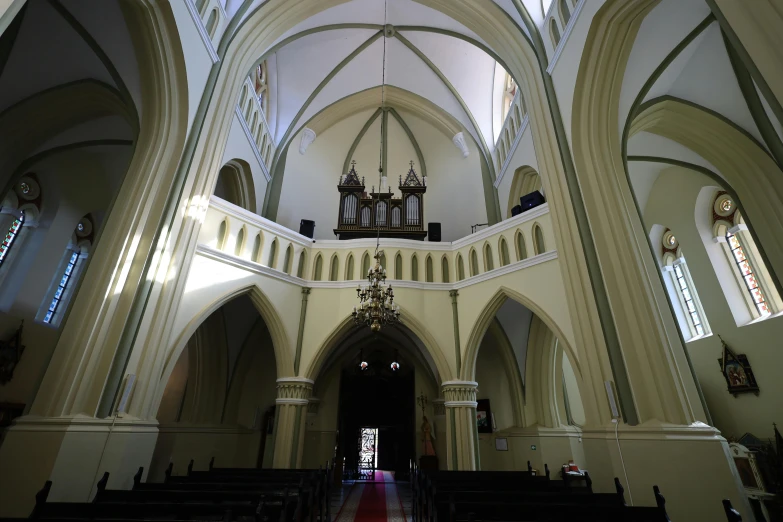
{"x": 238, "y": 147}
{"x": 673, "y": 204}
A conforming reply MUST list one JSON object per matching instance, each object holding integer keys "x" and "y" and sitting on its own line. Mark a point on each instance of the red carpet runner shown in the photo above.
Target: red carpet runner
{"x": 373, "y": 501}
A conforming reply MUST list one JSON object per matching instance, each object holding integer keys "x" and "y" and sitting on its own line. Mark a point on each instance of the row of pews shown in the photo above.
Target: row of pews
{"x": 525, "y": 496}
{"x": 219, "y": 494}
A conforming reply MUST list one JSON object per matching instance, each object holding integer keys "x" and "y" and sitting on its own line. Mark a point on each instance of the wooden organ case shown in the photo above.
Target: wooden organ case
{"x": 362, "y": 215}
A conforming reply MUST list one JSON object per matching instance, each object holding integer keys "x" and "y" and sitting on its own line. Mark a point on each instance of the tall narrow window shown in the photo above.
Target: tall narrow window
{"x": 554, "y": 32}
{"x": 59, "y": 293}
{"x": 688, "y": 300}
{"x": 444, "y": 268}
{"x": 240, "y": 246}
{"x": 10, "y": 237}
{"x": 428, "y": 275}
{"x": 257, "y": 249}
{"x": 520, "y": 244}
{"x": 748, "y": 274}
{"x": 565, "y": 12}
{"x": 460, "y": 268}
{"x": 414, "y": 268}
{"x": 509, "y": 92}
{"x": 398, "y": 266}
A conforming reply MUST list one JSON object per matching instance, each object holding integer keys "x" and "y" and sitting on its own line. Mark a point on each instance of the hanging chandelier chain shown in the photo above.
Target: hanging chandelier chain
{"x": 376, "y": 303}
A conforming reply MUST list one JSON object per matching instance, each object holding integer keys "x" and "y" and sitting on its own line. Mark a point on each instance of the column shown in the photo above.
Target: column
{"x": 293, "y": 394}
{"x": 461, "y": 430}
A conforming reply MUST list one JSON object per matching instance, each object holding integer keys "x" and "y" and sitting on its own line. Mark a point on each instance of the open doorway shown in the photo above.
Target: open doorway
{"x": 377, "y": 431}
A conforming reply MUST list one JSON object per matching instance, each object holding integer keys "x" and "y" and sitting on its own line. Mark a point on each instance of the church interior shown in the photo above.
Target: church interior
{"x": 497, "y": 260}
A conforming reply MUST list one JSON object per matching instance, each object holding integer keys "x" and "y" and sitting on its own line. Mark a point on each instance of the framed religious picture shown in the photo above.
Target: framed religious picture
{"x": 483, "y": 416}
{"x": 737, "y": 371}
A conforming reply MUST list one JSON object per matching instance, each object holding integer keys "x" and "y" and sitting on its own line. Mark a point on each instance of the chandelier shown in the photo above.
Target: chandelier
{"x": 376, "y": 302}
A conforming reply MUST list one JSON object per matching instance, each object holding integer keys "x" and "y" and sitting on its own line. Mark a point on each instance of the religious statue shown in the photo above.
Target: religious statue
{"x": 426, "y": 430}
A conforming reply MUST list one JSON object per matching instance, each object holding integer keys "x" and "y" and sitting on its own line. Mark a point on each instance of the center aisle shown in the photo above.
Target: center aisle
{"x": 374, "y": 501}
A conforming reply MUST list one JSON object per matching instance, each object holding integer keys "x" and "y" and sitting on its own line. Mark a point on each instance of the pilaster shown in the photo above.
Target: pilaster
{"x": 461, "y": 430}
{"x": 293, "y": 394}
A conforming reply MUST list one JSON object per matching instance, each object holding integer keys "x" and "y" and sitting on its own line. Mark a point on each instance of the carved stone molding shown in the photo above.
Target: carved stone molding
{"x": 459, "y": 393}
{"x": 294, "y": 390}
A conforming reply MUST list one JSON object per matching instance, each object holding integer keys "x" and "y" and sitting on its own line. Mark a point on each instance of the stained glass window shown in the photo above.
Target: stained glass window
{"x": 748, "y": 274}
{"x": 10, "y": 236}
{"x": 688, "y": 299}
{"x": 368, "y": 449}
{"x": 62, "y": 285}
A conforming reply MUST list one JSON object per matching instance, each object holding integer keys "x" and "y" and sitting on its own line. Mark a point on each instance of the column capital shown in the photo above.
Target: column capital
{"x": 305, "y": 291}
{"x": 459, "y": 393}
{"x": 293, "y": 390}
{"x": 453, "y": 294}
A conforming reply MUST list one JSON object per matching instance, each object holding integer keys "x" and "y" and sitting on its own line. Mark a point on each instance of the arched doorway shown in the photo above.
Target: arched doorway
{"x": 219, "y": 399}
{"x": 367, "y": 415}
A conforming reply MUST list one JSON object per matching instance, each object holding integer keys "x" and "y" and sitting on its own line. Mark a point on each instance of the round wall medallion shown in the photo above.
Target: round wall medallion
{"x": 84, "y": 228}
{"x": 27, "y": 189}
{"x": 669, "y": 240}
{"x": 724, "y": 206}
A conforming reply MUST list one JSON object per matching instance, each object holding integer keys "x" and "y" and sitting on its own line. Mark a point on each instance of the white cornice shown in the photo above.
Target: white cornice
{"x": 250, "y": 266}
{"x": 504, "y": 225}
{"x": 258, "y": 105}
{"x": 513, "y": 267}
{"x": 254, "y": 219}
{"x": 202, "y": 31}
{"x": 252, "y": 142}
{"x": 566, "y": 33}
{"x": 512, "y": 149}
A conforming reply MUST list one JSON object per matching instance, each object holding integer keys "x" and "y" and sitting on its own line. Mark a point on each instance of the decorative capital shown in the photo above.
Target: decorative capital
{"x": 453, "y": 294}
{"x": 460, "y": 393}
{"x": 308, "y": 137}
{"x": 294, "y": 390}
{"x": 305, "y": 290}
{"x": 459, "y": 142}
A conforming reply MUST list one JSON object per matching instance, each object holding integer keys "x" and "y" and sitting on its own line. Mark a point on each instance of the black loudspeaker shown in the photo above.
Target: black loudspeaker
{"x": 307, "y": 228}
{"x": 531, "y": 200}
{"x": 516, "y": 210}
{"x": 433, "y": 231}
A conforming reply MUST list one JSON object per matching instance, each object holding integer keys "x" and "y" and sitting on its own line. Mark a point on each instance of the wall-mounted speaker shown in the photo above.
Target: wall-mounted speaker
{"x": 307, "y": 228}
{"x": 531, "y": 200}
{"x": 433, "y": 231}
{"x": 516, "y": 210}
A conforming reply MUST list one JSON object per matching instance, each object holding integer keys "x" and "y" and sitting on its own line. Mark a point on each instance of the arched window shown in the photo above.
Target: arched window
{"x": 525, "y": 181}
{"x": 272, "y": 254}
{"x": 382, "y": 260}
{"x": 365, "y": 265}
{"x": 539, "y": 247}
{"x": 682, "y": 291}
{"x": 414, "y": 268}
{"x": 740, "y": 248}
{"x": 300, "y": 268}
{"x": 240, "y": 244}
{"x": 319, "y": 265}
{"x": 474, "y": 265}
{"x": 444, "y": 269}
{"x": 504, "y": 258}
{"x": 554, "y": 32}
{"x": 334, "y": 268}
{"x": 489, "y": 263}
{"x": 460, "y": 268}
{"x": 398, "y": 266}
{"x": 222, "y": 234}
{"x": 68, "y": 273}
{"x": 211, "y": 24}
{"x": 289, "y": 259}
{"x": 257, "y": 249}
{"x": 428, "y": 271}
{"x": 200, "y": 5}
{"x": 519, "y": 241}
{"x": 10, "y": 236}
{"x": 565, "y": 12}
{"x": 349, "y": 268}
